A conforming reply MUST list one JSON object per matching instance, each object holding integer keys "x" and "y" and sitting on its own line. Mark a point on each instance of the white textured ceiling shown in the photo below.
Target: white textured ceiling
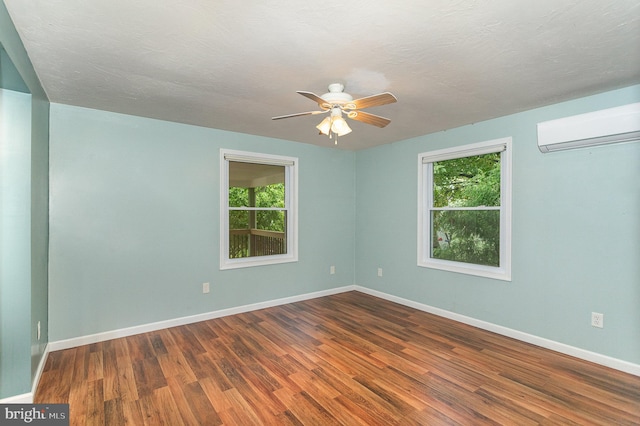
{"x": 234, "y": 64}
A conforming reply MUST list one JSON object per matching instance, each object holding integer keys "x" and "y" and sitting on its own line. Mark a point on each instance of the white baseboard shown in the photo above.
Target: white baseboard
{"x": 130, "y": 331}
{"x": 25, "y": 398}
{"x": 607, "y": 361}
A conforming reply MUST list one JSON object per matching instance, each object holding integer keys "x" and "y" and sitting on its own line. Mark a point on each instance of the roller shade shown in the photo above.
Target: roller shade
{"x": 258, "y": 160}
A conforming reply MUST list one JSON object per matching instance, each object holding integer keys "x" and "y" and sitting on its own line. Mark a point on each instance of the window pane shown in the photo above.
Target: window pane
{"x": 466, "y": 236}
{"x": 257, "y": 233}
{"x": 467, "y": 182}
{"x": 256, "y": 185}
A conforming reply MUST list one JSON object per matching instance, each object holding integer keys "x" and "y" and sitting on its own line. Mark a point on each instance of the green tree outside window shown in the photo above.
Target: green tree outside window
{"x": 465, "y": 218}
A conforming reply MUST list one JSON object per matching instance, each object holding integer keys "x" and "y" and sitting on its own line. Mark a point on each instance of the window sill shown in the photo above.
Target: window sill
{"x": 467, "y": 269}
{"x": 258, "y": 261}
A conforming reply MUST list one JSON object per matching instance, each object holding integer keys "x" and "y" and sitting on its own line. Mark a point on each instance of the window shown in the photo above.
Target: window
{"x": 464, "y": 209}
{"x": 258, "y": 209}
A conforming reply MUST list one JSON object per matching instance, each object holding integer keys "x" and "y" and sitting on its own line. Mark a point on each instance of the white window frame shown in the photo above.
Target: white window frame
{"x": 291, "y": 207}
{"x": 425, "y": 204}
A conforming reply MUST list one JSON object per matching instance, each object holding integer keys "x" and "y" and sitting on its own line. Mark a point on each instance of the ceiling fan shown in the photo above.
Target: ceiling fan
{"x": 336, "y": 102}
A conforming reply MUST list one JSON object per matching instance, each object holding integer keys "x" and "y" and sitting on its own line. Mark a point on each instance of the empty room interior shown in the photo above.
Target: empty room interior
{"x": 336, "y": 213}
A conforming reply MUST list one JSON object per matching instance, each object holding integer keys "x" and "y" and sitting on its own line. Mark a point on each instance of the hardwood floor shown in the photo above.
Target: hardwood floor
{"x": 349, "y": 359}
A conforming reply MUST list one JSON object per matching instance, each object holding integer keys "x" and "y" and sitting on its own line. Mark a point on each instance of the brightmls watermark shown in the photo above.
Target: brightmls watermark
{"x": 34, "y": 414}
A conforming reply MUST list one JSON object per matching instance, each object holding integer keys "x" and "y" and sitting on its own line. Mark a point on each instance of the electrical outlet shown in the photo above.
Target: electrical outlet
{"x": 332, "y": 270}
{"x": 379, "y": 272}
{"x": 597, "y": 320}
{"x": 205, "y": 287}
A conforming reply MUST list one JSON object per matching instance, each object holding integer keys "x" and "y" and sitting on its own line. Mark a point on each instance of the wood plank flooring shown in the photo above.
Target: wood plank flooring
{"x": 349, "y": 359}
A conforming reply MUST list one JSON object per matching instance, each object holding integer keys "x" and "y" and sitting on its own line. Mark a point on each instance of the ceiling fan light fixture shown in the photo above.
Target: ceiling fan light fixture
{"x": 340, "y": 127}
{"x": 325, "y": 126}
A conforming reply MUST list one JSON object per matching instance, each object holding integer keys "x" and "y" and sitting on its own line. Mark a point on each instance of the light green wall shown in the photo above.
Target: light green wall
{"x": 39, "y": 228}
{"x": 15, "y": 242}
{"x": 576, "y": 233}
{"x": 9, "y": 76}
{"x": 27, "y": 304}
{"x": 134, "y": 222}
{"x": 134, "y": 227}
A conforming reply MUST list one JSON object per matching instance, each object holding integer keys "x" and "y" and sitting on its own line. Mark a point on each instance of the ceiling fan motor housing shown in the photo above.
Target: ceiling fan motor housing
{"x": 336, "y": 96}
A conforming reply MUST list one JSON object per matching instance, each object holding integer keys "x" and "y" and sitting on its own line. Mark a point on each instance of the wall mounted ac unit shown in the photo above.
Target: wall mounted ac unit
{"x": 613, "y": 125}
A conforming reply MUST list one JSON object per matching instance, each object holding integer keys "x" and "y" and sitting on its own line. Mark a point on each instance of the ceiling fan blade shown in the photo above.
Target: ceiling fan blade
{"x": 367, "y": 118}
{"x": 374, "y": 100}
{"x": 298, "y": 114}
{"x": 315, "y": 98}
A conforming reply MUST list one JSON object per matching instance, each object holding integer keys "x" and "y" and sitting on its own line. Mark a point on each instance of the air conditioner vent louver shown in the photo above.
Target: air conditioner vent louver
{"x": 613, "y": 125}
